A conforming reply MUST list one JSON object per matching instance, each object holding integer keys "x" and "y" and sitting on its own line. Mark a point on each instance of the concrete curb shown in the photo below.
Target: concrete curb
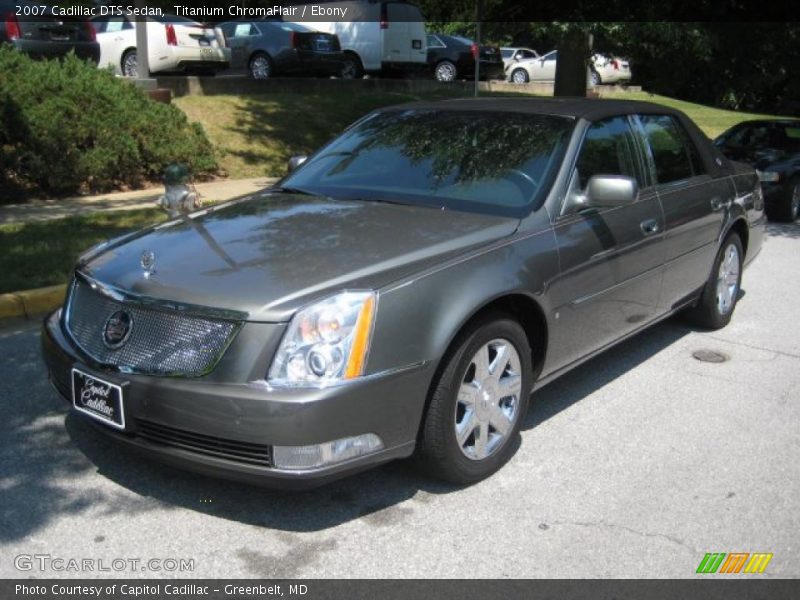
{"x": 31, "y": 303}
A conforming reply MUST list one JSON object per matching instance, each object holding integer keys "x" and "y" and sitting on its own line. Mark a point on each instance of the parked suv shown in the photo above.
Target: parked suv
{"x": 41, "y": 35}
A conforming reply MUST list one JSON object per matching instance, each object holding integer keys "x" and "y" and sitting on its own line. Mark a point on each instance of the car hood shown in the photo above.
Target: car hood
{"x": 269, "y": 254}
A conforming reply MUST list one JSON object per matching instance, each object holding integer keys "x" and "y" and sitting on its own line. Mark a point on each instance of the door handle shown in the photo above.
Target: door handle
{"x": 649, "y": 227}
{"x": 718, "y": 204}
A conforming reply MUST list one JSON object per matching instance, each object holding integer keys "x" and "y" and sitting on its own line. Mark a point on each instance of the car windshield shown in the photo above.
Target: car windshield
{"x": 489, "y": 162}
{"x": 506, "y": 52}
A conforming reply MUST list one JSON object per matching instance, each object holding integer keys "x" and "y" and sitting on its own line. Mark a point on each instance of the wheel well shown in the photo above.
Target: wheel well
{"x": 743, "y": 231}
{"x": 529, "y": 315}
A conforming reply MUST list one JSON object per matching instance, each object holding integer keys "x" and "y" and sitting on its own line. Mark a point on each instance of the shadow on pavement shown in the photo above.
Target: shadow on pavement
{"x": 787, "y": 230}
{"x": 46, "y": 473}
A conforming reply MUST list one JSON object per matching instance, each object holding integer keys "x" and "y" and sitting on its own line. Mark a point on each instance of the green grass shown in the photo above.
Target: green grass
{"x": 256, "y": 135}
{"x": 34, "y": 255}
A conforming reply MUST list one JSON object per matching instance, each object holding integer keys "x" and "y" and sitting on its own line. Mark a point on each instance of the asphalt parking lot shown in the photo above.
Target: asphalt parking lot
{"x": 635, "y": 465}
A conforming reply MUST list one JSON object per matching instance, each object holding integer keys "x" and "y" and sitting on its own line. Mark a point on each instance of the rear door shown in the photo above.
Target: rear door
{"x": 611, "y": 258}
{"x": 695, "y": 205}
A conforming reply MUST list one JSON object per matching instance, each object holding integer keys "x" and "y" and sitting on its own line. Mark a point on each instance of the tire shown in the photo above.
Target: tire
{"x": 445, "y": 71}
{"x": 718, "y": 299}
{"x": 595, "y": 77}
{"x": 260, "y": 66}
{"x": 351, "y": 67}
{"x": 788, "y": 208}
{"x": 463, "y": 401}
{"x": 519, "y": 76}
{"x": 129, "y": 64}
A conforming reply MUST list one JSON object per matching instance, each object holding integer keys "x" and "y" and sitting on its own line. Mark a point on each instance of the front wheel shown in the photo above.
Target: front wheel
{"x": 519, "y": 76}
{"x": 718, "y": 300}
{"x": 477, "y": 404}
{"x": 595, "y": 77}
{"x": 787, "y": 209}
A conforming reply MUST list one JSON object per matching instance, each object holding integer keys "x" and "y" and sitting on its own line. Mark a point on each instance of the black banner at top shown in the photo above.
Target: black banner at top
{"x": 421, "y": 10}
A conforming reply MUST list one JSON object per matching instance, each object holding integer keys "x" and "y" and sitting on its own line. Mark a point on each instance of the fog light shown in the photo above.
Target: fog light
{"x": 329, "y": 453}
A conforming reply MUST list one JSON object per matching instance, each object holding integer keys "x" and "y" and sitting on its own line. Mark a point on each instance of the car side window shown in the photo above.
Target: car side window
{"x": 674, "y": 154}
{"x": 115, "y": 24}
{"x": 608, "y": 149}
{"x": 435, "y": 42}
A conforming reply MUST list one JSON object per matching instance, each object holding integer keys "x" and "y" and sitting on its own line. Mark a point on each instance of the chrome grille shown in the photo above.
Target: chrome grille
{"x": 161, "y": 342}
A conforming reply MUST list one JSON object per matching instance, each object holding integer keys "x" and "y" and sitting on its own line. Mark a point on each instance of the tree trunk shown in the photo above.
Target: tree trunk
{"x": 573, "y": 50}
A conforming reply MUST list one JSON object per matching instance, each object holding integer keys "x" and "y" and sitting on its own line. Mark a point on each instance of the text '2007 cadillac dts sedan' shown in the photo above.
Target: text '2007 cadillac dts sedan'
{"x": 404, "y": 289}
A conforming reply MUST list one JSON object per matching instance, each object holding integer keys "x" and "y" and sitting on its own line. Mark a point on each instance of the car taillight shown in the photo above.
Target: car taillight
{"x": 615, "y": 64}
{"x": 474, "y": 48}
{"x": 90, "y": 31}
{"x": 172, "y": 38}
{"x": 13, "y": 31}
{"x": 384, "y": 17}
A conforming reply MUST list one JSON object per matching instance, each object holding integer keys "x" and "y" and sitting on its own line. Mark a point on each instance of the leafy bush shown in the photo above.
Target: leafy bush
{"x": 67, "y": 126}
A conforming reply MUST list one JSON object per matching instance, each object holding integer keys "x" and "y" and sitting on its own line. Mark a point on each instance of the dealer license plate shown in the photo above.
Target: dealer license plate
{"x": 97, "y": 398}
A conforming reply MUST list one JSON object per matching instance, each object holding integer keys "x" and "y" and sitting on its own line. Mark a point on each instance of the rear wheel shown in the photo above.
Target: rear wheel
{"x": 445, "y": 71}
{"x": 478, "y": 402}
{"x": 519, "y": 76}
{"x": 351, "y": 67}
{"x": 595, "y": 77}
{"x": 130, "y": 64}
{"x": 788, "y": 208}
{"x": 721, "y": 292}
{"x": 260, "y": 66}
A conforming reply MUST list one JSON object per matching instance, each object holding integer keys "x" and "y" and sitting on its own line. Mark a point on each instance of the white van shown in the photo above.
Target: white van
{"x": 375, "y": 35}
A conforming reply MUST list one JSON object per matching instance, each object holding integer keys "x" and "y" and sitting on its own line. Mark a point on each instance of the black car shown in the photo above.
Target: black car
{"x": 35, "y": 30}
{"x": 452, "y": 57}
{"x": 772, "y": 146}
{"x": 267, "y": 48}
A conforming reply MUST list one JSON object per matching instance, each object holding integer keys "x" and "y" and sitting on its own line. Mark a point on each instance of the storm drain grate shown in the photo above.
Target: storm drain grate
{"x": 711, "y": 356}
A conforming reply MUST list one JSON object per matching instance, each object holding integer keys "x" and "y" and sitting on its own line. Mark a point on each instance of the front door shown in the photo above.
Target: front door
{"x": 611, "y": 258}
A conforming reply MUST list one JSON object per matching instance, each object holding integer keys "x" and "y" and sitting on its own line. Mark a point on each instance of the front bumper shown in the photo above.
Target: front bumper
{"x": 201, "y": 422}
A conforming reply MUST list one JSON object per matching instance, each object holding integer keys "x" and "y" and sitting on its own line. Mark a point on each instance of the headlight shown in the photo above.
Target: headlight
{"x": 769, "y": 176}
{"x": 326, "y": 342}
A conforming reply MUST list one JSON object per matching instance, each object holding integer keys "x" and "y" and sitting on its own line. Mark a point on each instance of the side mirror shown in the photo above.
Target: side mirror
{"x": 295, "y": 162}
{"x": 611, "y": 190}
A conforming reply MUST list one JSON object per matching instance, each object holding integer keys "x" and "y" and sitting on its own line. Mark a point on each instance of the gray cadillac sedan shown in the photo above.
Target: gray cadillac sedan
{"x": 405, "y": 289}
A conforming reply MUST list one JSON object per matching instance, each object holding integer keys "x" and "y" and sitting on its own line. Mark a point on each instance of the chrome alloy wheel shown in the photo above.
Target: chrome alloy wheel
{"x": 260, "y": 67}
{"x": 446, "y": 71}
{"x": 728, "y": 279}
{"x": 130, "y": 65}
{"x": 519, "y": 76}
{"x": 487, "y": 406}
{"x": 794, "y": 207}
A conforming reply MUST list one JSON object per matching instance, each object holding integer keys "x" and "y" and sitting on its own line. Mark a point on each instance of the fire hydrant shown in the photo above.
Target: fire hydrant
{"x": 180, "y": 197}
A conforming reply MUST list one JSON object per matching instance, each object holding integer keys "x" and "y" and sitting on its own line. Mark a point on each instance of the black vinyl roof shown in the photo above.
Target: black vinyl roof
{"x": 587, "y": 108}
